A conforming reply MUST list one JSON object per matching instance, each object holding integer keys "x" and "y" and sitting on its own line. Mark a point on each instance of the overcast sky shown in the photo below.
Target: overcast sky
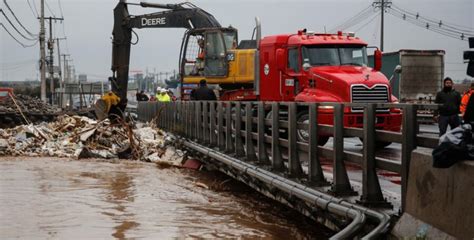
{"x": 88, "y": 26}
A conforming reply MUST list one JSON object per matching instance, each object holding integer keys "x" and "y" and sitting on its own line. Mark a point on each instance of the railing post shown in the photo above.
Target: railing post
{"x": 194, "y": 117}
{"x": 180, "y": 119}
{"x": 341, "y": 185}
{"x": 205, "y": 121}
{"x": 262, "y": 151}
{"x": 198, "y": 121}
{"x": 239, "y": 147}
{"x": 184, "y": 119}
{"x": 229, "y": 147}
{"x": 174, "y": 111}
{"x": 169, "y": 115}
{"x": 408, "y": 145}
{"x": 315, "y": 172}
{"x": 212, "y": 119}
{"x": 249, "y": 146}
{"x": 371, "y": 190}
{"x": 295, "y": 169}
{"x": 188, "y": 120}
{"x": 277, "y": 161}
{"x": 158, "y": 115}
{"x": 220, "y": 127}
{"x": 165, "y": 117}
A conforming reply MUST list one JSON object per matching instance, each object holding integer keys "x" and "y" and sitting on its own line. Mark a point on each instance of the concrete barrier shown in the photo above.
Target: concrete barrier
{"x": 443, "y": 198}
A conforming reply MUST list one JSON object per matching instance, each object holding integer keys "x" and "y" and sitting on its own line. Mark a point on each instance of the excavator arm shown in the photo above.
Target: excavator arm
{"x": 183, "y": 15}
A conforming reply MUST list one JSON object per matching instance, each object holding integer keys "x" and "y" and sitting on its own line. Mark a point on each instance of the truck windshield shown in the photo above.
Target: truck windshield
{"x": 335, "y": 55}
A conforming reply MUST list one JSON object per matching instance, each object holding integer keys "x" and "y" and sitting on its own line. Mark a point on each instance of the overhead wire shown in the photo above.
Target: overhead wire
{"x": 16, "y": 18}
{"x": 433, "y": 24}
{"x": 49, "y": 9}
{"x": 434, "y": 21}
{"x": 411, "y": 19}
{"x": 31, "y": 8}
{"x": 367, "y": 23}
{"x": 60, "y": 9}
{"x": 18, "y": 41}
{"x": 16, "y": 29}
{"x": 353, "y": 22}
{"x": 348, "y": 21}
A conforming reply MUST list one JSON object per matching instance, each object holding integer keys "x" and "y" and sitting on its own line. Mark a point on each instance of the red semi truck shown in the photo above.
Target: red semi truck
{"x": 310, "y": 67}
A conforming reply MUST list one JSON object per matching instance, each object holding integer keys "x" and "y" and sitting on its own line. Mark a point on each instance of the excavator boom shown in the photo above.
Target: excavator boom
{"x": 183, "y": 15}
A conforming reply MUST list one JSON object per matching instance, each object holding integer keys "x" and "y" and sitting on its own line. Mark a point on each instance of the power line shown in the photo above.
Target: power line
{"x": 60, "y": 9}
{"x": 438, "y": 22}
{"x": 350, "y": 20}
{"x": 26, "y": 30}
{"x": 22, "y": 44}
{"x": 367, "y": 23}
{"x": 433, "y": 24}
{"x": 49, "y": 9}
{"x": 31, "y": 8}
{"x": 427, "y": 26}
{"x": 16, "y": 29}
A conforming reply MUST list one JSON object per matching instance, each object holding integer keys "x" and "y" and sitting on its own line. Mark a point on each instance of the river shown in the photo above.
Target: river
{"x": 57, "y": 198}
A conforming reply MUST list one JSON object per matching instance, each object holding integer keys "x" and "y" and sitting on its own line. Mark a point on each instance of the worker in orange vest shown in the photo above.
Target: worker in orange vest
{"x": 465, "y": 99}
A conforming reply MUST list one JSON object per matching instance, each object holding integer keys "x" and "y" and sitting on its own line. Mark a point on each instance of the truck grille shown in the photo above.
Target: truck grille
{"x": 364, "y": 94}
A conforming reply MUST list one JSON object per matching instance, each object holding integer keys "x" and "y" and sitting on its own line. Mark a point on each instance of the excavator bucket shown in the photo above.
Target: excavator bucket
{"x": 100, "y": 109}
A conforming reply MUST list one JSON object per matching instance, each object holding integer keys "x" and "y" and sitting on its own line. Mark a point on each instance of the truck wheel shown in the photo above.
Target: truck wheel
{"x": 378, "y": 144}
{"x": 303, "y": 135}
{"x": 283, "y": 133}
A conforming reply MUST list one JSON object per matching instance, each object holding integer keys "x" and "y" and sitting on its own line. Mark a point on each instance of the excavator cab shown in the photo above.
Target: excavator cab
{"x": 206, "y": 52}
{"x": 213, "y": 54}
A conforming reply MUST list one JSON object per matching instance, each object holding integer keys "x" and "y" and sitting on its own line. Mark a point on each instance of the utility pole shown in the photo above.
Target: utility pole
{"x": 42, "y": 55}
{"x": 51, "y": 57}
{"x": 61, "y": 89}
{"x": 61, "y": 79}
{"x": 383, "y": 4}
{"x": 382, "y": 10}
{"x": 65, "y": 72}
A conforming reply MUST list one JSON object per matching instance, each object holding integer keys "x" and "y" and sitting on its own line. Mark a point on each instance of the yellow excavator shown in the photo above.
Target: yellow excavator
{"x": 208, "y": 51}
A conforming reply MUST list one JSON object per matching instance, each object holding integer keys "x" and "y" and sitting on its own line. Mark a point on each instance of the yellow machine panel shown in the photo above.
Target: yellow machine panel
{"x": 241, "y": 70}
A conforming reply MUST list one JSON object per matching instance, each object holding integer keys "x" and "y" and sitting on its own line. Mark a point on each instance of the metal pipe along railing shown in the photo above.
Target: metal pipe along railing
{"x": 332, "y": 204}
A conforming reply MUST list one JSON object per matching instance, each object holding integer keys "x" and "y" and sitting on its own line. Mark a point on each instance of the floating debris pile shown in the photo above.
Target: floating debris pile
{"x": 82, "y": 137}
{"x": 32, "y": 108}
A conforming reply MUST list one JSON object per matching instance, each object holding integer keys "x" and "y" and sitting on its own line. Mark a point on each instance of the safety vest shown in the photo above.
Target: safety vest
{"x": 464, "y": 100}
{"x": 163, "y": 97}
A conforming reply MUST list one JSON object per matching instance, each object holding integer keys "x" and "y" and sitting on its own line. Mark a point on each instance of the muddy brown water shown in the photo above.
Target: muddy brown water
{"x": 53, "y": 198}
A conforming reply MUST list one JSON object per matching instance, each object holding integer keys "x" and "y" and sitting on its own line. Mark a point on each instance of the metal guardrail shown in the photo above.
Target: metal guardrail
{"x": 248, "y": 133}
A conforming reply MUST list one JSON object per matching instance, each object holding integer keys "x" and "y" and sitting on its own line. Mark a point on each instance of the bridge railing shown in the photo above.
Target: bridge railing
{"x": 276, "y": 136}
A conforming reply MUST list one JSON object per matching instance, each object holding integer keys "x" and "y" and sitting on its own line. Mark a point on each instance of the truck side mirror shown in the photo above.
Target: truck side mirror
{"x": 280, "y": 59}
{"x": 377, "y": 60}
{"x": 398, "y": 69}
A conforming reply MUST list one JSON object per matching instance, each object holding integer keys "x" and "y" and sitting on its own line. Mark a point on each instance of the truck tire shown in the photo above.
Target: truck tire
{"x": 303, "y": 135}
{"x": 283, "y": 133}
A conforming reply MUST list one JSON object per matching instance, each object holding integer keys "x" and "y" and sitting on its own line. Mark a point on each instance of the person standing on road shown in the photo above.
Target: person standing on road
{"x": 450, "y": 101}
{"x": 203, "y": 92}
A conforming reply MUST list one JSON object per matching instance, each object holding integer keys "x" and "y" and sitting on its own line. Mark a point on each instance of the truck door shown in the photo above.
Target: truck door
{"x": 215, "y": 55}
{"x": 291, "y": 83}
